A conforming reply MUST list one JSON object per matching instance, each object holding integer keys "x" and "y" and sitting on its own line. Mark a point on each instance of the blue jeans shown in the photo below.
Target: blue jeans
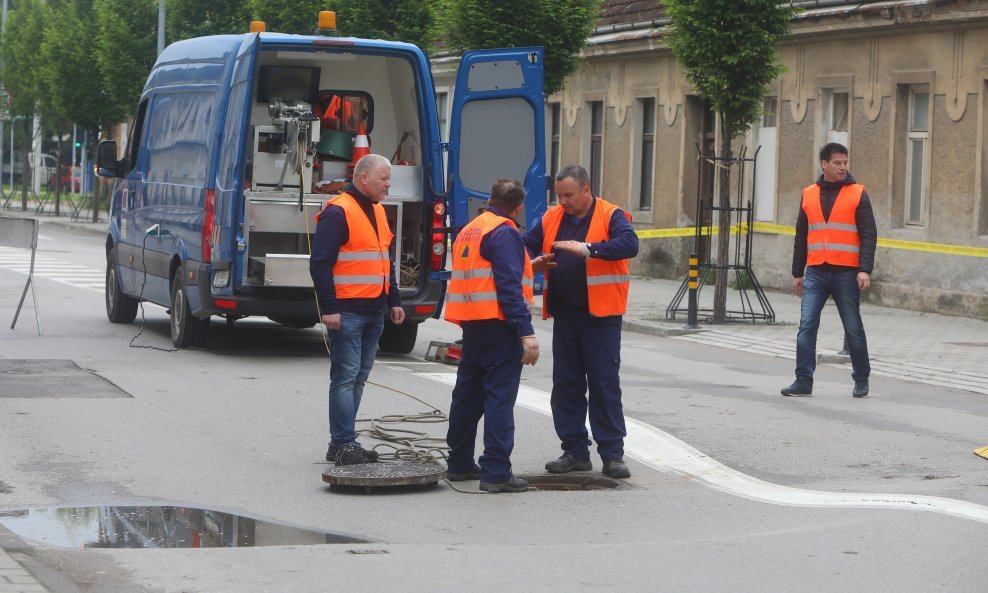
{"x": 352, "y": 349}
{"x": 843, "y": 286}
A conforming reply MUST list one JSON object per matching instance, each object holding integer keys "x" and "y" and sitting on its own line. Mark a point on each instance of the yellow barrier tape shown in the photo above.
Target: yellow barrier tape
{"x": 778, "y": 229}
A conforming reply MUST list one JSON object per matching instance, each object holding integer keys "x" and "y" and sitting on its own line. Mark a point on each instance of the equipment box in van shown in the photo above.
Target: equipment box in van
{"x": 239, "y": 140}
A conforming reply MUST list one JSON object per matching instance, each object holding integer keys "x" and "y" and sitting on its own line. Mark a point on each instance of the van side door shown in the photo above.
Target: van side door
{"x": 497, "y": 130}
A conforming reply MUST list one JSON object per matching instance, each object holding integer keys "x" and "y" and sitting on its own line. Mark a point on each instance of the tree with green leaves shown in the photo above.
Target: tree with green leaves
{"x": 289, "y": 16}
{"x": 411, "y": 21}
{"x": 126, "y": 48}
{"x": 21, "y": 59}
{"x": 561, "y": 27}
{"x": 195, "y": 18}
{"x": 729, "y": 50}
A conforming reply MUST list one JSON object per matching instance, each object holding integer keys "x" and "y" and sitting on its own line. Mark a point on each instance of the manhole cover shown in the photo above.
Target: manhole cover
{"x": 378, "y": 475}
{"x": 572, "y": 482}
{"x": 52, "y": 378}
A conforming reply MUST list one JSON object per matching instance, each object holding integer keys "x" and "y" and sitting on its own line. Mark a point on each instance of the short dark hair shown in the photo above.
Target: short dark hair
{"x": 830, "y": 149}
{"x": 574, "y": 172}
{"x": 507, "y": 194}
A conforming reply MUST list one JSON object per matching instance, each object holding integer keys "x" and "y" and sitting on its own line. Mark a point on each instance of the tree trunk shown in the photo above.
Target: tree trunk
{"x": 723, "y": 226}
{"x": 25, "y": 175}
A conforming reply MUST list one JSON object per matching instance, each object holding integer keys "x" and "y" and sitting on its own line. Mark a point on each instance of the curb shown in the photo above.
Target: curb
{"x": 48, "y": 578}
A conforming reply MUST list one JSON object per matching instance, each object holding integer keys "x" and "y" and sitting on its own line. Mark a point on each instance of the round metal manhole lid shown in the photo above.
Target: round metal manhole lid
{"x": 373, "y": 475}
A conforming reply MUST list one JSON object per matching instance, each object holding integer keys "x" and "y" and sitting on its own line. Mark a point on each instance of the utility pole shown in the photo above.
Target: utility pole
{"x": 161, "y": 25}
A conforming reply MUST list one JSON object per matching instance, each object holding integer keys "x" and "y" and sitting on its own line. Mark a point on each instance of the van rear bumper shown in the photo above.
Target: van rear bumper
{"x": 297, "y": 302}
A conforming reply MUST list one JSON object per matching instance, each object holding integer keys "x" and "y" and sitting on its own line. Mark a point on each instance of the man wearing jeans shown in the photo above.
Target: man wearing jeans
{"x": 355, "y": 282}
{"x": 833, "y": 255}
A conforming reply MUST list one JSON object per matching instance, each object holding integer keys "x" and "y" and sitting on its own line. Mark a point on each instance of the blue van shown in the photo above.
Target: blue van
{"x": 239, "y": 140}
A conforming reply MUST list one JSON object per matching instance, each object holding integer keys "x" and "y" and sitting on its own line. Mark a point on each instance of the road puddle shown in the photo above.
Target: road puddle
{"x": 155, "y": 527}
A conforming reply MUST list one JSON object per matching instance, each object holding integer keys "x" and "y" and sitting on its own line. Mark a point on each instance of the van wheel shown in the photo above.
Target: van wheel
{"x": 120, "y": 308}
{"x": 187, "y": 329}
{"x": 398, "y": 339}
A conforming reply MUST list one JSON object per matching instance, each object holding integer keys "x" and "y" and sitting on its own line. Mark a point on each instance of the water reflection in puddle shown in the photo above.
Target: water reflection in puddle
{"x": 155, "y": 527}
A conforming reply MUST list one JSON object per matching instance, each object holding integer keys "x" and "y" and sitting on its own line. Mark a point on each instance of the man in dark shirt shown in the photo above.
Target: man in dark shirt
{"x": 355, "y": 284}
{"x": 833, "y": 255}
{"x": 588, "y": 241}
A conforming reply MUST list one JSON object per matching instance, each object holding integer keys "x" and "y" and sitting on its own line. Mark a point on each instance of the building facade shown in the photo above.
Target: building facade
{"x": 902, "y": 83}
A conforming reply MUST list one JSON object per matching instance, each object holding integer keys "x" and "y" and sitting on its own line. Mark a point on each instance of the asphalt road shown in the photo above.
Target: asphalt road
{"x": 733, "y": 487}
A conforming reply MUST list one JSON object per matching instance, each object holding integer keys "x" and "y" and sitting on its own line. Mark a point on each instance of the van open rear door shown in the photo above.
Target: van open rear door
{"x": 497, "y": 130}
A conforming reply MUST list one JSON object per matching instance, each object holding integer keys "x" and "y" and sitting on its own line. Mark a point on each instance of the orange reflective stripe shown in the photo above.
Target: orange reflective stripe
{"x": 834, "y": 241}
{"x": 472, "y": 293}
{"x": 363, "y": 267}
{"x": 608, "y": 282}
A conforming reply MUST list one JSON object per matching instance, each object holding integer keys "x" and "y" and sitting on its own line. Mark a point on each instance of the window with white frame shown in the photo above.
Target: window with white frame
{"x": 595, "y": 111}
{"x": 917, "y": 144}
{"x": 442, "y": 107}
{"x": 555, "y": 134}
{"x": 642, "y": 165}
{"x": 837, "y": 117}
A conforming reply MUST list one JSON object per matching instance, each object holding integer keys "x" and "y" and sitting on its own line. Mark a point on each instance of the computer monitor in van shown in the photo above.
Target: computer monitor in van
{"x": 288, "y": 82}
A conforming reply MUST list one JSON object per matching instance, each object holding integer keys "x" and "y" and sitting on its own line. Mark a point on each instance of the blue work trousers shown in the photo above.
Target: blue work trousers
{"x": 586, "y": 352}
{"x": 843, "y": 286}
{"x": 486, "y": 386}
{"x": 352, "y": 349}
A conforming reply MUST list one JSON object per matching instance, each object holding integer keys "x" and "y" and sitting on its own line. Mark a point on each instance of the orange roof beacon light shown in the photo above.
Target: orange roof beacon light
{"x": 327, "y": 24}
{"x": 258, "y": 27}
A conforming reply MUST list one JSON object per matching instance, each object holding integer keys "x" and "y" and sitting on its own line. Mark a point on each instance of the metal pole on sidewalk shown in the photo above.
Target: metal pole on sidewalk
{"x": 694, "y": 288}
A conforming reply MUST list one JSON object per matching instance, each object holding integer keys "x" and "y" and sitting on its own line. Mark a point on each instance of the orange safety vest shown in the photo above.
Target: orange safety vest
{"x": 472, "y": 294}
{"x": 607, "y": 281}
{"x": 833, "y": 241}
{"x": 363, "y": 266}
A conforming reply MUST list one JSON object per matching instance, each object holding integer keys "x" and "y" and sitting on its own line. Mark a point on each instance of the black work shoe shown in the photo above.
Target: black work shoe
{"x": 512, "y": 484}
{"x": 475, "y": 473}
{"x": 616, "y": 468}
{"x": 333, "y": 450}
{"x": 860, "y": 389}
{"x": 351, "y": 454}
{"x": 567, "y": 463}
{"x": 798, "y": 387}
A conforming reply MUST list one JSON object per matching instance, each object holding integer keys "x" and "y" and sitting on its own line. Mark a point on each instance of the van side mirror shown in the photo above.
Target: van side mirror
{"x": 107, "y": 164}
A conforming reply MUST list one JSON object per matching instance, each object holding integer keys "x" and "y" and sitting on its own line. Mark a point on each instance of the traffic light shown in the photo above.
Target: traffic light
{"x": 78, "y": 144}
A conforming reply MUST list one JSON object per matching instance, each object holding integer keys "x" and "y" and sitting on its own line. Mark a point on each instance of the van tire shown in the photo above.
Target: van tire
{"x": 120, "y": 308}
{"x": 187, "y": 330}
{"x": 398, "y": 339}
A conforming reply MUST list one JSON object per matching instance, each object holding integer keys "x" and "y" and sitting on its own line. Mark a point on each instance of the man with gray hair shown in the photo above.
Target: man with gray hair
{"x": 355, "y": 283}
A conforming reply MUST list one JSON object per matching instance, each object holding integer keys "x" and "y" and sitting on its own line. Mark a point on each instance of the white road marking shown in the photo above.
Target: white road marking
{"x": 664, "y": 452}
{"x": 49, "y": 268}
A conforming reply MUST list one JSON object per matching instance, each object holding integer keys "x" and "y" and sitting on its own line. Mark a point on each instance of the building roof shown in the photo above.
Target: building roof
{"x": 626, "y": 12}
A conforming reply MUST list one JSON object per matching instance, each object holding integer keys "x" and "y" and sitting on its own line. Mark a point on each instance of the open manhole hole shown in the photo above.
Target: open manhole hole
{"x": 572, "y": 482}
{"x": 156, "y": 527}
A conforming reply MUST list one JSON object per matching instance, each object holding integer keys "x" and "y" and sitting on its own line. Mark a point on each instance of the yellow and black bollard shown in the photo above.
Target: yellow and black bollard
{"x": 694, "y": 286}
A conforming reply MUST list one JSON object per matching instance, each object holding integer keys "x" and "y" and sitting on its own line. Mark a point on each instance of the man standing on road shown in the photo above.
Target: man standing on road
{"x": 355, "y": 283}
{"x": 490, "y": 296}
{"x": 585, "y": 243}
{"x": 833, "y": 255}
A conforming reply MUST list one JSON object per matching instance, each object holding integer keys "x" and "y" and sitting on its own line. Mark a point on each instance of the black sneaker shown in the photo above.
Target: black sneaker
{"x": 334, "y": 450}
{"x": 512, "y": 484}
{"x": 616, "y": 468}
{"x": 798, "y": 387}
{"x": 860, "y": 388}
{"x": 567, "y": 463}
{"x": 475, "y": 473}
{"x": 350, "y": 454}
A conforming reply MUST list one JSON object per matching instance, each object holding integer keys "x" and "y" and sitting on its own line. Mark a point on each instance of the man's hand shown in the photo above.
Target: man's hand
{"x": 544, "y": 262}
{"x": 797, "y": 286}
{"x": 574, "y": 247}
{"x": 864, "y": 280}
{"x": 531, "y": 350}
{"x": 332, "y": 322}
{"x": 397, "y": 315}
